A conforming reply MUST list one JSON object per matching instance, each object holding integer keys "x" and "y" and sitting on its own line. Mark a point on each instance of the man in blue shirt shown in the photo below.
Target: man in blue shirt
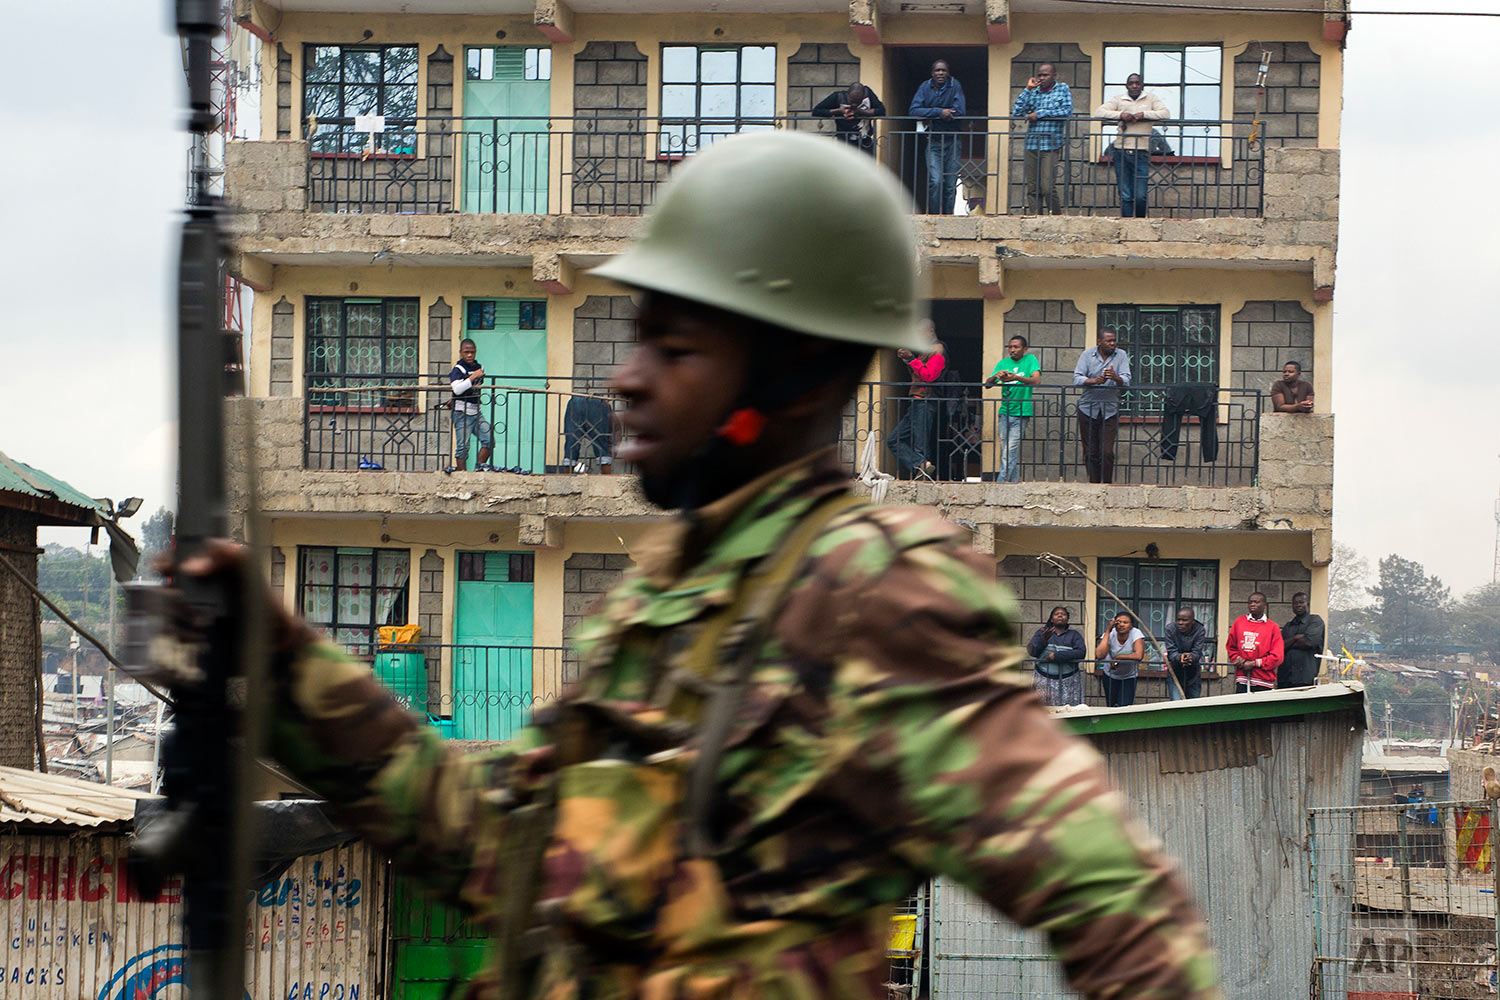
{"x": 1104, "y": 371}
{"x": 1046, "y": 104}
{"x": 940, "y": 100}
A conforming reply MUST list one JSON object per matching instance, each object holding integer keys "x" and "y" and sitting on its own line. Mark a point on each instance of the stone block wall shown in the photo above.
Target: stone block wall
{"x": 615, "y": 170}
{"x": 1278, "y": 579}
{"x": 587, "y": 577}
{"x": 20, "y": 639}
{"x": 1056, "y": 331}
{"x": 816, "y": 70}
{"x": 266, "y": 176}
{"x": 1302, "y": 187}
{"x": 1266, "y": 335}
{"x": 1073, "y": 68}
{"x": 1292, "y": 86}
{"x": 283, "y": 93}
{"x": 603, "y": 334}
{"x": 440, "y": 338}
{"x": 282, "y": 358}
{"x": 1039, "y": 588}
{"x": 430, "y": 618}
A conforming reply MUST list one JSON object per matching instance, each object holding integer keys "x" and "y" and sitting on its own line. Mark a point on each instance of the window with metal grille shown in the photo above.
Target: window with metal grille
{"x": 1168, "y": 345}
{"x": 506, "y": 314}
{"x": 508, "y": 62}
{"x": 497, "y": 567}
{"x": 707, "y": 93}
{"x": 1188, "y": 79}
{"x": 350, "y": 592}
{"x": 1156, "y": 589}
{"x": 353, "y": 343}
{"x": 342, "y": 83}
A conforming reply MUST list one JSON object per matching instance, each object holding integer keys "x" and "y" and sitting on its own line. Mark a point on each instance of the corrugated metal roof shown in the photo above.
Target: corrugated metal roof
{"x": 1219, "y": 709}
{"x": 30, "y": 797}
{"x": 18, "y": 477}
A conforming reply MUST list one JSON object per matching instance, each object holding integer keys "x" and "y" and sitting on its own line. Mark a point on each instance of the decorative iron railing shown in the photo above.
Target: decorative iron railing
{"x": 1173, "y": 435}
{"x": 613, "y": 165}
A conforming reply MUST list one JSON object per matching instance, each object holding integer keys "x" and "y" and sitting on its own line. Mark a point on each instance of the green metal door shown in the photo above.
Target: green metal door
{"x": 434, "y": 950}
{"x": 507, "y": 98}
{"x": 492, "y": 645}
{"x": 510, "y": 340}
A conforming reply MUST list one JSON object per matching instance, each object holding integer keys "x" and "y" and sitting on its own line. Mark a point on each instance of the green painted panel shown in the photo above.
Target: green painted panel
{"x": 434, "y": 950}
{"x": 506, "y": 142}
{"x": 512, "y": 356}
{"x": 492, "y": 657}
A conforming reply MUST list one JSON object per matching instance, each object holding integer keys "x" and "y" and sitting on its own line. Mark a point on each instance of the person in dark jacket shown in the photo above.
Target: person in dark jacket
{"x": 1058, "y": 650}
{"x": 1302, "y": 639}
{"x": 940, "y": 100}
{"x": 1185, "y": 650}
{"x": 853, "y": 112}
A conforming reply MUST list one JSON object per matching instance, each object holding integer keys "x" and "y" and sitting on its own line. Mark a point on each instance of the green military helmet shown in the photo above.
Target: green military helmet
{"x": 791, "y": 229}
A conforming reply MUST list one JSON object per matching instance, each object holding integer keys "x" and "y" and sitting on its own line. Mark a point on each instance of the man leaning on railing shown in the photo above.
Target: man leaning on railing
{"x": 1135, "y": 110}
{"x": 465, "y": 378}
{"x": 853, "y": 111}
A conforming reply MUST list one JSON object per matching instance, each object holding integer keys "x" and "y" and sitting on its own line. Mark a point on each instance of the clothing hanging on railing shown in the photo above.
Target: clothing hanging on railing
{"x": 1201, "y": 401}
{"x": 588, "y": 428}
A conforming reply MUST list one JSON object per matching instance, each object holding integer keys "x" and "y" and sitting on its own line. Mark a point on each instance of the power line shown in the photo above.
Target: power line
{"x": 1280, "y": 10}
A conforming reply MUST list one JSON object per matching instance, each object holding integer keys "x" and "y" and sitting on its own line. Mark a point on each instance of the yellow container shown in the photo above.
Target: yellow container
{"x": 903, "y": 942}
{"x": 399, "y": 635}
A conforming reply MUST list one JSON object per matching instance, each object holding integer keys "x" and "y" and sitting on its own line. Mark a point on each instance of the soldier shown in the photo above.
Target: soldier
{"x": 797, "y": 708}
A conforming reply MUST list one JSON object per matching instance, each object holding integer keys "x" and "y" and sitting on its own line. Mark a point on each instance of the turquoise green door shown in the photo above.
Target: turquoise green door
{"x": 507, "y": 98}
{"x": 492, "y": 645}
{"x": 510, "y": 340}
{"x": 434, "y": 950}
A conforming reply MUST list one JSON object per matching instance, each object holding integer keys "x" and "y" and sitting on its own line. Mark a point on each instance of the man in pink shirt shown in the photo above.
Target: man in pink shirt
{"x": 1254, "y": 648}
{"x": 915, "y": 436}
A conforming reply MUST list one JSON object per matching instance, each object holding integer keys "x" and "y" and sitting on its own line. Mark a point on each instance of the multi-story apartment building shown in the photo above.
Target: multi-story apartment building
{"x": 432, "y": 172}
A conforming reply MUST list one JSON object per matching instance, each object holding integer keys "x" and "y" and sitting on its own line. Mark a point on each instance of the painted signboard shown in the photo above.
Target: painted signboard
{"x": 77, "y": 929}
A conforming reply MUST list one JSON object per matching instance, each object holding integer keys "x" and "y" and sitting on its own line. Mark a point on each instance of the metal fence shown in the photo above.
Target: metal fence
{"x": 612, "y": 165}
{"x": 473, "y": 692}
{"x": 1182, "y": 435}
{"x": 1404, "y": 900}
{"x": 1165, "y": 435}
{"x": 405, "y": 423}
{"x": 1153, "y": 685}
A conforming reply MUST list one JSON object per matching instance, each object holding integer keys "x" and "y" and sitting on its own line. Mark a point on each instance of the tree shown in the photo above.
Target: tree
{"x": 156, "y": 540}
{"x": 1410, "y": 608}
{"x": 1348, "y": 579}
{"x": 1478, "y": 616}
{"x": 76, "y": 582}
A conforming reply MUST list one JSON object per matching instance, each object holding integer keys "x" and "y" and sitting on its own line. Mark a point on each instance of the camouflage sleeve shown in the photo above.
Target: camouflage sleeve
{"x": 942, "y": 743}
{"x": 393, "y": 779}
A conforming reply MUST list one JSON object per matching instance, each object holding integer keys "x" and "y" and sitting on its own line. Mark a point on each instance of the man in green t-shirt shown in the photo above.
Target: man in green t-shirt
{"x": 1018, "y": 372}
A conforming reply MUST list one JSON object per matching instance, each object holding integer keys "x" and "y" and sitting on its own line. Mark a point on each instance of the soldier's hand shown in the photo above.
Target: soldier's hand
{"x": 228, "y": 565}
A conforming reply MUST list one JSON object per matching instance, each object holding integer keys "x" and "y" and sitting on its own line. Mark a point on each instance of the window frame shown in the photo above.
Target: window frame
{"x": 1130, "y": 343}
{"x": 400, "y": 606}
{"x": 388, "y": 402}
{"x": 1173, "y": 132}
{"x": 535, "y": 66}
{"x": 405, "y": 127}
{"x": 1102, "y": 601}
{"x": 681, "y": 125}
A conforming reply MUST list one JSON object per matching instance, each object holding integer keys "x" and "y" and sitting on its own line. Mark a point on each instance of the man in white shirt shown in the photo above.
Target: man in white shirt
{"x": 1135, "y": 110}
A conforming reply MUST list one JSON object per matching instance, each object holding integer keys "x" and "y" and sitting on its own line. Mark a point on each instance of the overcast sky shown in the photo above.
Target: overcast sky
{"x": 95, "y": 185}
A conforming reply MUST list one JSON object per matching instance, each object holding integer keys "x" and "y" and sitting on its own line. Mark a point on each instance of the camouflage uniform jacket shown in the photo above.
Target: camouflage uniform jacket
{"x": 884, "y": 737}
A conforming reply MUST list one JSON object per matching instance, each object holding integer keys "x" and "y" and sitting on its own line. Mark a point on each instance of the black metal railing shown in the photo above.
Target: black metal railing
{"x": 613, "y": 165}
{"x": 1173, "y": 435}
{"x": 1162, "y": 435}
{"x": 406, "y": 424}
{"x": 472, "y": 692}
{"x": 1153, "y": 685}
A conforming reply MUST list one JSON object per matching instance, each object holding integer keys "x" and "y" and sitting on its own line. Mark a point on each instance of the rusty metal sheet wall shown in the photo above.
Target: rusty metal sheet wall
{"x": 1239, "y": 835}
{"x": 75, "y": 929}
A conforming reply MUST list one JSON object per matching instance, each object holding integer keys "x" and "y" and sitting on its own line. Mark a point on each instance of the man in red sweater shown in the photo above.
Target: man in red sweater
{"x": 1254, "y": 648}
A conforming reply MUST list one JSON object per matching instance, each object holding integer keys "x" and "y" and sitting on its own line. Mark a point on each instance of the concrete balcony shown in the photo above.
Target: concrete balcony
{"x": 1276, "y": 210}
{"x": 1287, "y": 486}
